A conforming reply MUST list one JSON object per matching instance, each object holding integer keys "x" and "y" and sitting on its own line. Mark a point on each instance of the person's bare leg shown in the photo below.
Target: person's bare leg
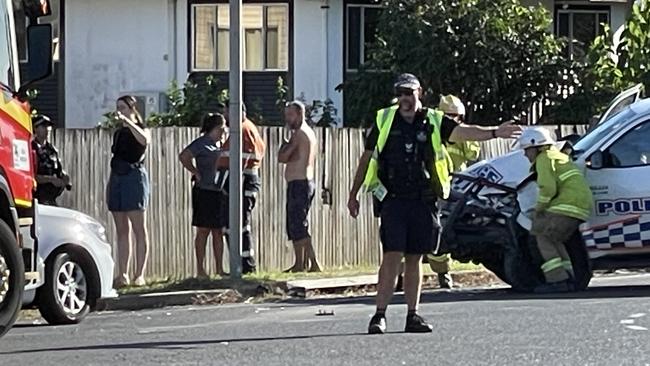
{"x": 200, "y": 242}
{"x": 413, "y": 281}
{"x": 217, "y": 248}
{"x": 310, "y": 255}
{"x": 137, "y": 219}
{"x": 388, "y": 272}
{"x": 123, "y": 248}
{"x": 299, "y": 253}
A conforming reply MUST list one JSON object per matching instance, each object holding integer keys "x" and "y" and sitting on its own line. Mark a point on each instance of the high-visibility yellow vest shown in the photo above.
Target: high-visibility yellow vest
{"x": 442, "y": 178}
{"x": 463, "y": 152}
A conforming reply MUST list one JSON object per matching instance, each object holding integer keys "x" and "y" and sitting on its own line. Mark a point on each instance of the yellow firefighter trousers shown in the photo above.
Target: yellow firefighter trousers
{"x": 552, "y": 232}
{"x": 439, "y": 263}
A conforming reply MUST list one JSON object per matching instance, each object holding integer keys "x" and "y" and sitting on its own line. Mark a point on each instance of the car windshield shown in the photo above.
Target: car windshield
{"x": 597, "y": 134}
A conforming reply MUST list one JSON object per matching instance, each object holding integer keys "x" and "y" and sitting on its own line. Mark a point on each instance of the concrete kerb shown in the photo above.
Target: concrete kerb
{"x": 298, "y": 288}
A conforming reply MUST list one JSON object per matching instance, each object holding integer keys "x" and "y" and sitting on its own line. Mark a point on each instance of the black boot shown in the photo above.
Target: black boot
{"x": 416, "y": 324}
{"x": 377, "y": 324}
{"x": 553, "y": 287}
{"x": 445, "y": 280}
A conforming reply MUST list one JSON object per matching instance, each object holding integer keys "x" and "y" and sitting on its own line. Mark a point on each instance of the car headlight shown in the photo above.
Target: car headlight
{"x": 94, "y": 227}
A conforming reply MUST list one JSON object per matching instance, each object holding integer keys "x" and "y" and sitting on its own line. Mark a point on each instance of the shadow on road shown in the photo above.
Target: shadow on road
{"x": 498, "y": 294}
{"x": 178, "y": 345}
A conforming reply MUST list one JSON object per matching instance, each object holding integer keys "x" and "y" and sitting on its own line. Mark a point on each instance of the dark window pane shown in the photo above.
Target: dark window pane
{"x": 633, "y": 149}
{"x": 602, "y": 19}
{"x": 584, "y": 33}
{"x": 354, "y": 37}
{"x": 563, "y": 31}
{"x": 371, "y": 21}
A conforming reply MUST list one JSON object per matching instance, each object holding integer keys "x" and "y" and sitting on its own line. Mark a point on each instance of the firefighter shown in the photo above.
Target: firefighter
{"x": 51, "y": 179}
{"x": 405, "y": 167}
{"x": 460, "y": 154}
{"x": 564, "y": 202}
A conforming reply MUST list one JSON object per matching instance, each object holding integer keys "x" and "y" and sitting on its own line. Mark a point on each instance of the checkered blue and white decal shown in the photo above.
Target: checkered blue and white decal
{"x": 633, "y": 232}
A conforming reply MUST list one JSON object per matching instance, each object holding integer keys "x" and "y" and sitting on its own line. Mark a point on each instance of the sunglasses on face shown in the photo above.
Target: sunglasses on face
{"x": 404, "y": 92}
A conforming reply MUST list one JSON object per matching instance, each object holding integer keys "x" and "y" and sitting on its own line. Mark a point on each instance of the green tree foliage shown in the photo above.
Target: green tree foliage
{"x": 607, "y": 70}
{"x": 498, "y": 56}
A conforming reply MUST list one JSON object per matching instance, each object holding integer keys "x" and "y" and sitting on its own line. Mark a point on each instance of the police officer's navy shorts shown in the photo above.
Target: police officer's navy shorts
{"x": 408, "y": 226}
{"x": 129, "y": 191}
{"x": 300, "y": 194}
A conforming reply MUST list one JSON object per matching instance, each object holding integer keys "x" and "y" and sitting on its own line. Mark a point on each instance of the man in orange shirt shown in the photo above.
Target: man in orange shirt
{"x": 253, "y": 148}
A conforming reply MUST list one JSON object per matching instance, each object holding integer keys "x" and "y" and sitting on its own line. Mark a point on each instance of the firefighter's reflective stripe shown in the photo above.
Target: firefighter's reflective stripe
{"x": 569, "y": 210}
{"x": 566, "y": 175}
{"x": 544, "y": 199}
{"x": 252, "y": 194}
{"x": 23, "y": 203}
{"x": 244, "y": 155}
{"x": 552, "y": 264}
{"x": 567, "y": 265}
{"x": 16, "y": 111}
{"x": 247, "y": 253}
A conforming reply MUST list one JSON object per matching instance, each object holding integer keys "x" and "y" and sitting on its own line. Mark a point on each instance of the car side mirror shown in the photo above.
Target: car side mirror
{"x": 596, "y": 160}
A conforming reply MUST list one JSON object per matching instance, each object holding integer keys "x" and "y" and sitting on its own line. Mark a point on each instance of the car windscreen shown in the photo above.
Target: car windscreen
{"x": 597, "y": 134}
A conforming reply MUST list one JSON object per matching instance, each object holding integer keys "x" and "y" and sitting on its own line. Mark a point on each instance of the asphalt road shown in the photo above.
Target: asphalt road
{"x": 607, "y": 325}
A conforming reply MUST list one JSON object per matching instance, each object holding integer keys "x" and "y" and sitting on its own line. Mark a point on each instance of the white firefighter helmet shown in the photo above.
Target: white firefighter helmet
{"x": 534, "y": 137}
{"x": 451, "y": 104}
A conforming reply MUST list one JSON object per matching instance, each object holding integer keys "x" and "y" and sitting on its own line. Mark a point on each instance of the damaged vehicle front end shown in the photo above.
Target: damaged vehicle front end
{"x": 487, "y": 219}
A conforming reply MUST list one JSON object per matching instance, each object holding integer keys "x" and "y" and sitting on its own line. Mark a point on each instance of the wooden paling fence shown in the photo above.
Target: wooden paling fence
{"x": 339, "y": 239}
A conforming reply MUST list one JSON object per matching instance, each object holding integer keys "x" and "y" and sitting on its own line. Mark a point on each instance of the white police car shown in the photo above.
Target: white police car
{"x": 488, "y": 216}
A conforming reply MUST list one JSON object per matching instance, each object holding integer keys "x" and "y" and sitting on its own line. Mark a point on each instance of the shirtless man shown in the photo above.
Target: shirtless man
{"x": 299, "y": 154}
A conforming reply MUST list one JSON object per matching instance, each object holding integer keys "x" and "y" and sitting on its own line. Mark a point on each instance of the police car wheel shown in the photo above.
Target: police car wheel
{"x": 580, "y": 260}
{"x": 67, "y": 295}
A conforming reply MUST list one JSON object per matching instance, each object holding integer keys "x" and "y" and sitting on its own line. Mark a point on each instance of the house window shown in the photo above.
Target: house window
{"x": 265, "y": 37}
{"x": 361, "y": 31}
{"x": 580, "y": 28}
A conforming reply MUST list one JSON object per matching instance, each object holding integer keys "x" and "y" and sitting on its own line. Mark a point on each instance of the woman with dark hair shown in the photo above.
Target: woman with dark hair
{"x": 128, "y": 190}
{"x": 206, "y": 197}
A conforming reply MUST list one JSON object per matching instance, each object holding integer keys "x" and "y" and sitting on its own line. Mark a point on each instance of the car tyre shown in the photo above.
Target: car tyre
{"x": 12, "y": 278}
{"x": 66, "y": 296}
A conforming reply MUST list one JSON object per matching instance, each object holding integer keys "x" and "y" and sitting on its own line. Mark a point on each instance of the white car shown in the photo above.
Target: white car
{"x": 487, "y": 219}
{"x": 74, "y": 263}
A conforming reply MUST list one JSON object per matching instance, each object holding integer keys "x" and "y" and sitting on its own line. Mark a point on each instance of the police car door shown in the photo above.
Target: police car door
{"x": 618, "y": 173}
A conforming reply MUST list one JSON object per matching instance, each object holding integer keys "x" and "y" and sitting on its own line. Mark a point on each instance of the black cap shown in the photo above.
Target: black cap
{"x": 407, "y": 81}
{"x": 41, "y": 119}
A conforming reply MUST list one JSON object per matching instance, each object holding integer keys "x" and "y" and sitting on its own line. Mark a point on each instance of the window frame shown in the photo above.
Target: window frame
{"x": 571, "y": 11}
{"x": 265, "y": 6}
{"x": 644, "y": 123}
{"x": 362, "y": 34}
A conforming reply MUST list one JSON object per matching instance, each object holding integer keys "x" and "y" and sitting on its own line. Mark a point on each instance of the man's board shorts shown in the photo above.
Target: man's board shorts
{"x": 300, "y": 194}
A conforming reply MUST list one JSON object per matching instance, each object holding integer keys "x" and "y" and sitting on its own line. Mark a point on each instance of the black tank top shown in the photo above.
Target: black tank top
{"x": 126, "y": 147}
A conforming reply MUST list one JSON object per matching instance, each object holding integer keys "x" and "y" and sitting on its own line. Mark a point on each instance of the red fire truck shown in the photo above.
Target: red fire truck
{"x": 18, "y": 243}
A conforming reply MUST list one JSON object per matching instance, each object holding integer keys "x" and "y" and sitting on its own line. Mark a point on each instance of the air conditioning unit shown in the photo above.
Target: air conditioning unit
{"x": 149, "y": 102}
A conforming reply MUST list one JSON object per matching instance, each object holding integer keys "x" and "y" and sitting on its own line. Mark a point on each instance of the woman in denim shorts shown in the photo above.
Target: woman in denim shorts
{"x": 128, "y": 190}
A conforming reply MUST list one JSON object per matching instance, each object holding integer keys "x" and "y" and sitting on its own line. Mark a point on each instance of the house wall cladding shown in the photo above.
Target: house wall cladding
{"x": 338, "y": 239}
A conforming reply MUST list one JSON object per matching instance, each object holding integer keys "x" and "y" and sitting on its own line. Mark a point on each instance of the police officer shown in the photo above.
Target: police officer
{"x": 405, "y": 167}
{"x": 564, "y": 202}
{"x": 460, "y": 154}
{"x": 51, "y": 179}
